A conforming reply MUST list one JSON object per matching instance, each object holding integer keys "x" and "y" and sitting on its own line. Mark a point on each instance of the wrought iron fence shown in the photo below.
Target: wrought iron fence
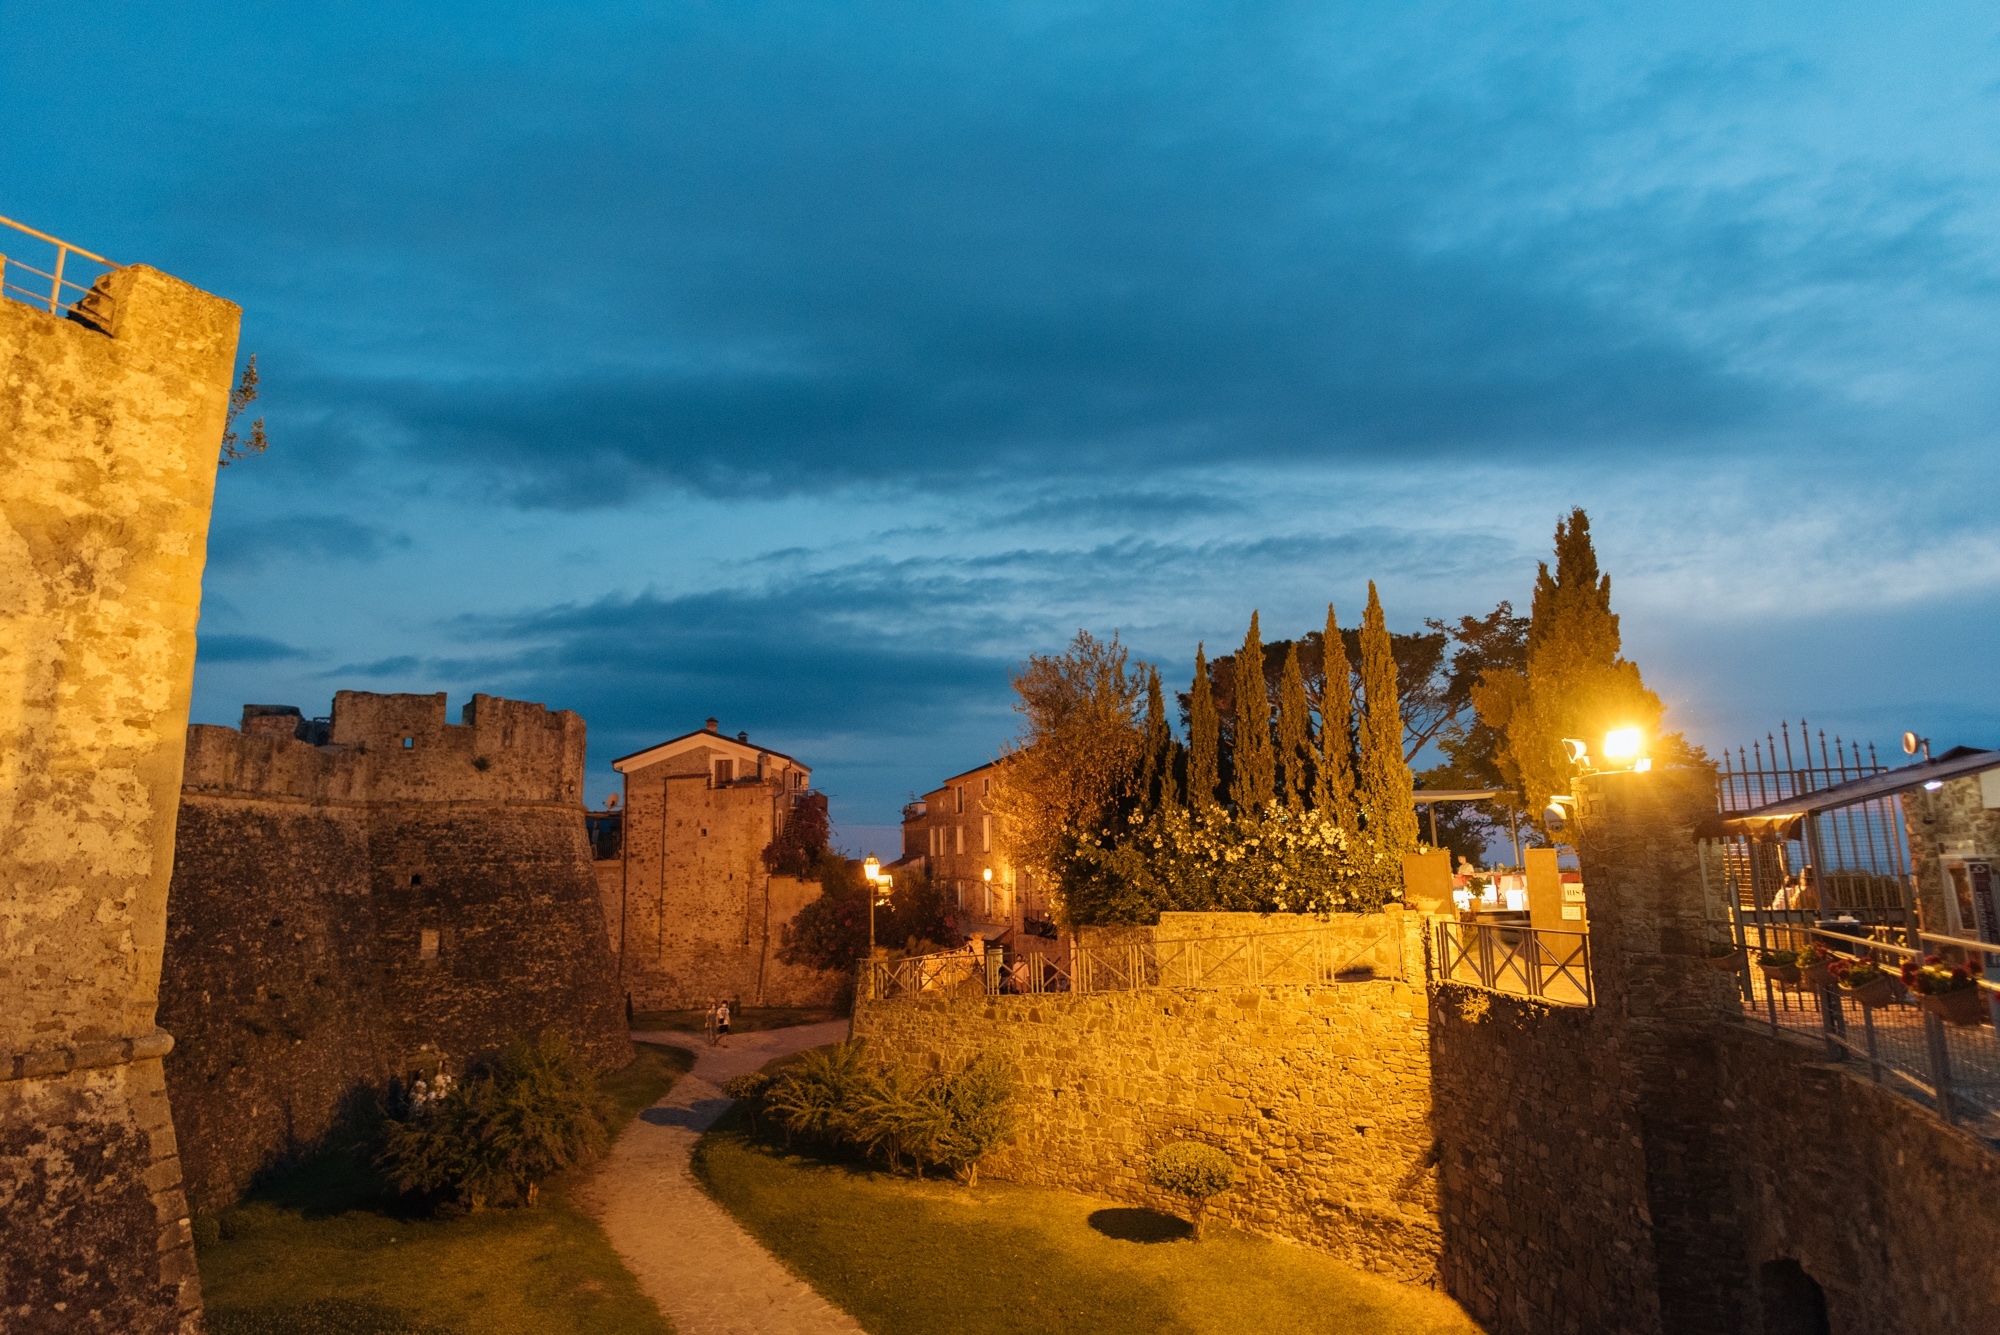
{"x": 1532, "y": 962}
{"x": 55, "y": 288}
{"x": 1251, "y": 959}
{"x": 1851, "y": 859}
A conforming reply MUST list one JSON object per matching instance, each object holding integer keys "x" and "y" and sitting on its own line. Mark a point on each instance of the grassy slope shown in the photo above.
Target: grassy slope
{"x": 908, "y": 1258}
{"x": 323, "y": 1251}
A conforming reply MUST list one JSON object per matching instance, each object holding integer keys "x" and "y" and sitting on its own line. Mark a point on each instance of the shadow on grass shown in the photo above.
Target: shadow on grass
{"x": 1136, "y": 1225}
{"x": 332, "y": 1316}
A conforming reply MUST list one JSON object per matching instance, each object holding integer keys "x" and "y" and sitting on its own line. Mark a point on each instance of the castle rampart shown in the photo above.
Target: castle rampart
{"x": 416, "y": 891}
{"x": 108, "y": 442}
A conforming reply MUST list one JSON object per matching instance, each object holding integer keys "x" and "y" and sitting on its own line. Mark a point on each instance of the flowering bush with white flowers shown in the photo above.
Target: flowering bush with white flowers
{"x": 1277, "y": 861}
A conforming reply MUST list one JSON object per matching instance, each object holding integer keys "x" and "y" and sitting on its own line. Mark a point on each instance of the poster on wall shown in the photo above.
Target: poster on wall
{"x": 1969, "y": 882}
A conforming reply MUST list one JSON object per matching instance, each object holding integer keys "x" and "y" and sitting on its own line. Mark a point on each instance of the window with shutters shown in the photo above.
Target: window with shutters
{"x": 725, "y": 770}
{"x": 986, "y": 834}
{"x": 958, "y": 838}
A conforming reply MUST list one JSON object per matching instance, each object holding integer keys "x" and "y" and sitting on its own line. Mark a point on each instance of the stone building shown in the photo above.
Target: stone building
{"x": 412, "y": 893}
{"x": 111, "y": 415}
{"x": 952, "y": 835}
{"x": 693, "y": 912}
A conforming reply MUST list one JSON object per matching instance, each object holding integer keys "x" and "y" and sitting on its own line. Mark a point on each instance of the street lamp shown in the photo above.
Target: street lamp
{"x": 878, "y": 890}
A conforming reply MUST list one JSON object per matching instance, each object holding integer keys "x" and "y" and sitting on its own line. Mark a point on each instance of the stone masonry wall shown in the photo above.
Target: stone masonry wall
{"x": 348, "y": 913}
{"x": 1633, "y": 1168}
{"x": 108, "y": 441}
{"x": 701, "y": 916}
{"x": 1319, "y": 1094}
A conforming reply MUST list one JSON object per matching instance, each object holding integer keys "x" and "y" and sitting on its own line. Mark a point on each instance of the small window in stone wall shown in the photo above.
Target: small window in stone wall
{"x": 427, "y": 944}
{"x": 409, "y": 743}
{"x": 416, "y": 881}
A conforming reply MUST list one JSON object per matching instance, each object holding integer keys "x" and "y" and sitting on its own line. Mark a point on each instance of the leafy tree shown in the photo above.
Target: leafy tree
{"x": 1078, "y": 755}
{"x": 1254, "y": 784}
{"x": 1573, "y": 682}
{"x": 1295, "y": 741}
{"x": 1385, "y": 786}
{"x": 1204, "y": 740}
{"x": 831, "y": 932}
{"x": 797, "y": 849}
{"x": 1195, "y": 1172}
{"x": 1333, "y": 788}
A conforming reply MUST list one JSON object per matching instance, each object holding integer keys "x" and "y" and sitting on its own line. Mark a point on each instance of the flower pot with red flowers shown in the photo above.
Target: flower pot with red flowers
{"x": 1780, "y": 966}
{"x": 1816, "y": 965}
{"x": 1949, "y": 991}
{"x": 1724, "y": 957}
{"x": 1867, "y": 982}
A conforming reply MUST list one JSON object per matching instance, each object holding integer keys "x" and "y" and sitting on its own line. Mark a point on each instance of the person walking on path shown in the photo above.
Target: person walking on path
{"x": 722, "y": 1024}
{"x": 707, "y": 1275}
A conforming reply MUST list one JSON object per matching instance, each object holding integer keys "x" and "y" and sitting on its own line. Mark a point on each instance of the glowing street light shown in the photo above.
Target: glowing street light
{"x": 1621, "y": 744}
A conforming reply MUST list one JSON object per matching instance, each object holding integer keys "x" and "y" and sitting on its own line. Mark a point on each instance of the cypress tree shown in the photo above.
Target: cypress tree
{"x": 1575, "y": 682}
{"x": 1333, "y": 787}
{"x": 1156, "y": 780}
{"x": 1204, "y": 739}
{"x": 1294, "y": 733}
{"x": 1254, "y": 785}
{"x": 1386, "y": 790}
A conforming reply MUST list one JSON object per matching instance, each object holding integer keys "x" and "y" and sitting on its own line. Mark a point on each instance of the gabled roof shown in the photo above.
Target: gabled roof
{"x": 674, "y": 745}
{"x": 1777, "y": 817}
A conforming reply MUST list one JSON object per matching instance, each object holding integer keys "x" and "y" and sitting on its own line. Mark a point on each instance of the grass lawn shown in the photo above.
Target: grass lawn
{"x": 745, "y": 1021}
{"x": 325, "y": 1252}
{"x": 911, "y": 1258}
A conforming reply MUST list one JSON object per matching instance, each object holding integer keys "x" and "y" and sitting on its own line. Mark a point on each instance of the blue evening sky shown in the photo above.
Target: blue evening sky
{"x": 809, "y": 364}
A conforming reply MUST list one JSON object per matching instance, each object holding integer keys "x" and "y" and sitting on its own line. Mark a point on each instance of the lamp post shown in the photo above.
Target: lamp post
{"x": 872, "y": 869}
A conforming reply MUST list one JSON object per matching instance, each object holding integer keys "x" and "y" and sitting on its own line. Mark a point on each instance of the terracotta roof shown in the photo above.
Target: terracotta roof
{"x": 709, "y": 737}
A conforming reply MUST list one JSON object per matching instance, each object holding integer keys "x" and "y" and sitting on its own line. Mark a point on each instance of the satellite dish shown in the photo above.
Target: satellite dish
{"x": 1553, "y": 817}
{"x": 611, "y": 802}
{"x": 1910, "y": 743}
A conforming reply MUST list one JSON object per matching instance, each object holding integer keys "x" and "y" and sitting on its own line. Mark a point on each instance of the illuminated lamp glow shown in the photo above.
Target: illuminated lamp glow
{"x": 1621, "y": 744}
{"x": 1933, "y": 785}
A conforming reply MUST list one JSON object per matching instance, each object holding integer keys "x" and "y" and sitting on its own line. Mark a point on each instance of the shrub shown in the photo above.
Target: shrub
{"x": 979, "y": 1101}
{"x": 749, "y": 1089}
{"x": 1194, "y": 1171}
{"x": 818, "y": 1096}
{"x": 954, "y": 1119}
{"x": 898, "y": 1113}
{"x": 497, "y": 1135}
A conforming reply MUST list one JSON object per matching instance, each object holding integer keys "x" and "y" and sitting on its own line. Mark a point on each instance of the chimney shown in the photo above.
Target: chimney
{"x": 711, "y": 726}
{"x": 742, "y": 736}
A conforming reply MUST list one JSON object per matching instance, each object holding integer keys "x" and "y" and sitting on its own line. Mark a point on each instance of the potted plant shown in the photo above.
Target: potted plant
{"x": 1724, "y": 957}
{"x": 1949, "y": 991}
{"x": 1866, "y": 981}
{"x": 1780, "y": 966}
{"x": 1815, "y": 963}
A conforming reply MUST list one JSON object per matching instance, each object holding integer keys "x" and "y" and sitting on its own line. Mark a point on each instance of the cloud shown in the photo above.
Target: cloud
{"x": 245, "y": 649}
{"x": 303, "y": 537}
{"x": 402, "y": 665}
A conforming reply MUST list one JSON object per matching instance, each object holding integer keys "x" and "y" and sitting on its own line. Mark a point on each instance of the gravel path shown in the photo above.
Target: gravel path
{"x": 708, "y": 1276}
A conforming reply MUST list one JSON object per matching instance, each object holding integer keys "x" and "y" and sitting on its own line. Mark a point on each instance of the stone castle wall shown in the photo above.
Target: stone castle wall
{"x": 1636, "y": 1167}
{"x": 108, "y": 442}
{"x": 348, "y": 913}
{"x": 1319, "y": 1094}
{"x": 695, "y": 914}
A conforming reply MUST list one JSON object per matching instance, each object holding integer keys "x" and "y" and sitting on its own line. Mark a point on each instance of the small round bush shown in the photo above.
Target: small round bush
{"x": 1195, "y": 1171}
{"x": 749, "y": 1085}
